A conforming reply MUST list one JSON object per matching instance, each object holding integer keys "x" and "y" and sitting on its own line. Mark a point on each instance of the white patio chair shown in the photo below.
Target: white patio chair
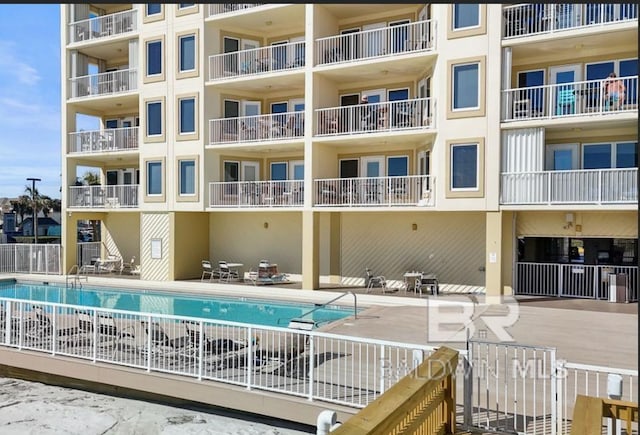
{"x": 373, "y": 281}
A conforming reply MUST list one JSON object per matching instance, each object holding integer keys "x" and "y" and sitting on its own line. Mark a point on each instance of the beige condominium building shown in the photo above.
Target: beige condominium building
{"x": 493, "y": 148}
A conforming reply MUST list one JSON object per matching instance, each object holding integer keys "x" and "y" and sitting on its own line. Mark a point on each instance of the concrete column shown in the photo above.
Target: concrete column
{"x": 69, "y": 240}
{"x": 310, "y": 250}
{"x": 509, "y": 251}
{"x": 494, "y": 260}
{"x": 335, "y": 274}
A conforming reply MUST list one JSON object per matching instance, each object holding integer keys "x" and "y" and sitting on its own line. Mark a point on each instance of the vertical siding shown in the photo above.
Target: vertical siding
{"x": 452, "y": 245}
{"x": 155, "y": 226}
{"x": 523, "y": 150}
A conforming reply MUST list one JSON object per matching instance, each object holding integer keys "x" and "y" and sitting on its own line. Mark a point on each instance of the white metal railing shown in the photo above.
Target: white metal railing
{"x": 590, "y": 380}
{"x": 88, "y": 251}
{"x": 409, "y": 190}
{"x": 281, "y": 193}
{"x": 107, "y": 83}
{"x": 223, "y": 8}
{"x": 97, "y": 141}
{"x": 30, "y": 258}
{"x": 537, "y": 18}
{"x": 587, "y": 186}
{"x": 568, "y": 99}
{"x": 367, "y": 44}
{"x": 572, "y": 279}
{"x": 338, "y": 369}
{"x": 103, "y": 26}
{"x": 114, "y": 196}
{"x": 375, "y": 117}
{"x": 272, "y": 58}
{"x": 269, "y": 127}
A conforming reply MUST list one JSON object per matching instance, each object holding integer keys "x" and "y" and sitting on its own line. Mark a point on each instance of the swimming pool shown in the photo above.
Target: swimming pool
{"x": 253, "y": 311}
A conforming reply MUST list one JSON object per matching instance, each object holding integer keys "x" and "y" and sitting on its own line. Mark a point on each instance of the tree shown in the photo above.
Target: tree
{"x": 37, "y": 202}
{"x": 91, "y": 178}
{"x": 22, "y": 206}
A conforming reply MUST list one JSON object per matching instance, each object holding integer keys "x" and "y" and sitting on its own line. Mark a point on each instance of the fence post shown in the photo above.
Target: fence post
{"x": 554, "y": 393}
{"x": 467, "y": 364}
{"x": 558, "y": 418}
{"x": 560, "y": 280}
{"x": 250, "y": 357}
{"x": 311, "y": 364}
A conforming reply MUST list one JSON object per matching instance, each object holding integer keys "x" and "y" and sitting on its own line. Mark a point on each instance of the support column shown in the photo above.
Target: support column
{"x": 69, "y": 240}
{"x": 494, "y": 262}
{"x": 335, "y": 273}
{"x": 310, "y": 250}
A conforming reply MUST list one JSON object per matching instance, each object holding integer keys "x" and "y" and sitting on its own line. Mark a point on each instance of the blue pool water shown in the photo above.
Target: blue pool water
{"x": 257, "y": 312}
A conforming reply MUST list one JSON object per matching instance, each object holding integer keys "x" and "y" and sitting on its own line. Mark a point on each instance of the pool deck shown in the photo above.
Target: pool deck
{"x": 583, "y": 331}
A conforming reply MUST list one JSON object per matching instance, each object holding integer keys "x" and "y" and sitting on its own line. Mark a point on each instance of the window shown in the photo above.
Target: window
{"x": 187, "y": 53}
{"x": 154, "y": 118}
{"x": 610, "y": 155}
{"x": 397, "y": 166}
{"x": 187, "y": 115}
{"x": 111, "y": 123}
{"x": 466, "y": 15}
{"x": 533, "y": 97}
{"x": 187, "y": 177}
{"x": 466, "y": 86}
{"x": 464, "y": 166}
{"x": 154, "y": 58}
{"x": 154, "y": 178}
{"x": 154, "y": 9}
{"x": 185, "y": 5}
{"x": 279, "y": 171}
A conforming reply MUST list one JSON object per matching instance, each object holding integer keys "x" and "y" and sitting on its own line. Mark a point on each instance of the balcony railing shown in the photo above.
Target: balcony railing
{"x": 282, "y": 193}
{"x": 117, "y": 196}
{"x": 269, "y": 127}
{"x": 107, "y": 83}
{"x": 273, "y": 58}
{"x": 409, "y": 190}
{"x": 368, "y": 44}
{"x": 535, "y": 19}
{"x": 588, "y": 186}
{"x": 103, "y": 26}
{"x": 375, "y": 117}
{"x": 99, "y": 141}
{"x": 569, "y": 99}
{"x": 223, "y": 8}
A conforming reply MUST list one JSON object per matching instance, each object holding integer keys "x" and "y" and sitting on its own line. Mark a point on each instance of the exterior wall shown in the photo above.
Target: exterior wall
{"x": 452, "y": 245}
{"x": 121, "y": 235}
{"x": 242, "y": 237}
{"x": 155, "y": 226}
{"x": 594, "y": 224}
{"x": 191, "y": 241}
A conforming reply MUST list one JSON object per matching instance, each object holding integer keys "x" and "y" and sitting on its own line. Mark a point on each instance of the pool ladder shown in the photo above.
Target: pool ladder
{"x": 302, "y": 319}
{"x": 76, "y": 277}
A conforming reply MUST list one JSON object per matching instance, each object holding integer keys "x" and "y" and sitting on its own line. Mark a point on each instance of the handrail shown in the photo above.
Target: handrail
{"x": 318, "y": 306}
{"x": 76, "y": 277}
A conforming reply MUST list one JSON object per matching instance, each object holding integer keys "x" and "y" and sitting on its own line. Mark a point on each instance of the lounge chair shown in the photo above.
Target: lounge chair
{"x": 207, "y": 270}
{"x": 210, "y": 346}
{"x": 284, "y": 358}
{"x": 161, "y": 342}
{"x": 226, "y": 273}
{"x": 107, "y": 332}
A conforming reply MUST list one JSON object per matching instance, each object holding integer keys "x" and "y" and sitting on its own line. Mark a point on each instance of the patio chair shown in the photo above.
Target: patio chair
{"x": 428, "y": 281}
{"x": 282, "y": 359}
{"x": 372, "y": 281}
{"x": 129, "y": 267}
{"x": 210, "y": 346}
{"x": 207, "y": 270}
{"x": 226, "y": 273}
{"x": 160, "y": 341}
{"x": 107, "y": 333}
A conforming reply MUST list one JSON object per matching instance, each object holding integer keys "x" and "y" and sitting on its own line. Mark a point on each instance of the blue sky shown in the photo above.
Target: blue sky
{"x": 30, "y": 98}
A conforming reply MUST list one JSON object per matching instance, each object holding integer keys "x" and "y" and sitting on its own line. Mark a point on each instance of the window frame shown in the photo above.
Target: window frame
{"x": 192, "y": 8}
{"x": 189, "y": 73}
{"x": 463, "y": 32}
{"x": 154, "y": 137}
{"x": 185, "y": 136}
{"x": 149, "y": 18}
{"x": 613, "y": 153}
{"x": 466, "y": 192}
{"x": 461, "y": 28}
{"x": 467, "y": 112}
{"x": 185, "y": 196}
{"x": 153, "y": 78}
{"x": 154, "y": 197}
{"x": 182, "y": 121}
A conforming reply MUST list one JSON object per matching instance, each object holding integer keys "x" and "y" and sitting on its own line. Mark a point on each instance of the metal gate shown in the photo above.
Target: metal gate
{"x": 510, "y": 388}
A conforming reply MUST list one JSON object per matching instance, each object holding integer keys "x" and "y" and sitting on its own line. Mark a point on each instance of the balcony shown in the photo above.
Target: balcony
{"x": 409, "y": 190}
{"x": 108, "y": 83}
{"x": 224, "y": 8}
{"x": 273, "y": 58}
{"x": 387, "y": 116}
{"x": 588, "y": 186}
{"x": 104, "y": 26}
{"x": 117, "y": 196}
{"x": 259, "y": 128}
{"x": 100, "y": 141}
{"x": 370, "y": 44}
{"x": 537, "y": 19}
{"x": 253, "y": 194}
{"x": 568, "y": 100}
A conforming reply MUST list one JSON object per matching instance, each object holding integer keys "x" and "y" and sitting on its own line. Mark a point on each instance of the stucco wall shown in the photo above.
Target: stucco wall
{"x": 594, "y": 224}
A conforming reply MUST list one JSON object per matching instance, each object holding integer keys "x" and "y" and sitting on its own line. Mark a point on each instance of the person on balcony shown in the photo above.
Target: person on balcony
{"x": 368, "y": 120}
{"x": 613, "y": 91}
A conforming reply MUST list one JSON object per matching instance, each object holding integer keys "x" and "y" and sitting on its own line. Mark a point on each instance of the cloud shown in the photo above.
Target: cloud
{"x": 13, "y": 64}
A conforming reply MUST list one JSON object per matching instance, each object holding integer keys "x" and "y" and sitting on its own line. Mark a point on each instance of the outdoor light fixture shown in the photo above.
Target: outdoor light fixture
{"x": 266, "y": 225}
{"x": 414, "y": 227}
{"x": 35, "y": 209}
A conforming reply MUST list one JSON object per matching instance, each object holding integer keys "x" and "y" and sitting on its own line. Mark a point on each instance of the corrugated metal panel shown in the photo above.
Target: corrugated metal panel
{"x": 452, "y": 245}
{"x": 523, "y": 150}
{"x": 154, "y": 226}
